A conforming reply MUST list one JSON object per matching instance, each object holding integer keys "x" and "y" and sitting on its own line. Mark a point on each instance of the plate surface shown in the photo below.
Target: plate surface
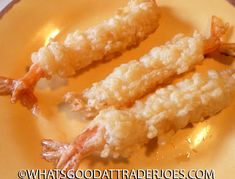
{"x": 27, "y": 26}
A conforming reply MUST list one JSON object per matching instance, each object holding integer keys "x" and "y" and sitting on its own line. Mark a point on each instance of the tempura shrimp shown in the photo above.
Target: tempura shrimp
{"x": 115, "y": 132}
{"x": 131, "y": 25}
{"x": 136, "y": 78}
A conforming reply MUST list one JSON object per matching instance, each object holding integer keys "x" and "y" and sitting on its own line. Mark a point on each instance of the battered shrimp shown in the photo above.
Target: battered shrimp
{"x": 131, "y": 25}
{"x": 134, "y": 79}
{"x": 116, "y": 132}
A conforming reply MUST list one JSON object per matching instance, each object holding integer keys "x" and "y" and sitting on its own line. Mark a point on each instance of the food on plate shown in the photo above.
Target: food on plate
{"x": 136, "y": 78}
{"x": 131, "y": 25}
{"x": 115, "y": 132}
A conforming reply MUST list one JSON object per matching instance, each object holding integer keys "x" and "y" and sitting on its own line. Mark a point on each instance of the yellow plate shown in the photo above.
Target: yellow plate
{"x": 27, "y": 26}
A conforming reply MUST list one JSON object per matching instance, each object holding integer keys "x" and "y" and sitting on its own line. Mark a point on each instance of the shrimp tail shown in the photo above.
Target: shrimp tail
{"x": 23, "y": 88}
{"x": 218, "y": 27}
{"x": 217, "y": 30}
{"x": 77, "y": 102}
{"x": 27, "y": 98}
{"x": 52, "y": 150}
{"x": 68, "y": 156}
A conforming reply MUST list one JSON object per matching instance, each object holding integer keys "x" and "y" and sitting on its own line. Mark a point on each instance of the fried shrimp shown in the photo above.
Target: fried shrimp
{"x": 131, "y": 25}
{"x": 115, "y": 132}
{"x": 134, "y": 79}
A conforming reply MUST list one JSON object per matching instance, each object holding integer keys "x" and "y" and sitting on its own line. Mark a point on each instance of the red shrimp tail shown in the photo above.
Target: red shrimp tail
{"x": 23, "y": 88}
{"x": 68, "y": 156}
{"x": 217, "y": 30}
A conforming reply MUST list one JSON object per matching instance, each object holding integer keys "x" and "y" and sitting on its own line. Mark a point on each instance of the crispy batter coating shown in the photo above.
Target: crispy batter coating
{"x": 131, "y": 25}
{"x": 117, "y": 132}
{"x": 169, "y": 108}
{"x": 136, "y": 78}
